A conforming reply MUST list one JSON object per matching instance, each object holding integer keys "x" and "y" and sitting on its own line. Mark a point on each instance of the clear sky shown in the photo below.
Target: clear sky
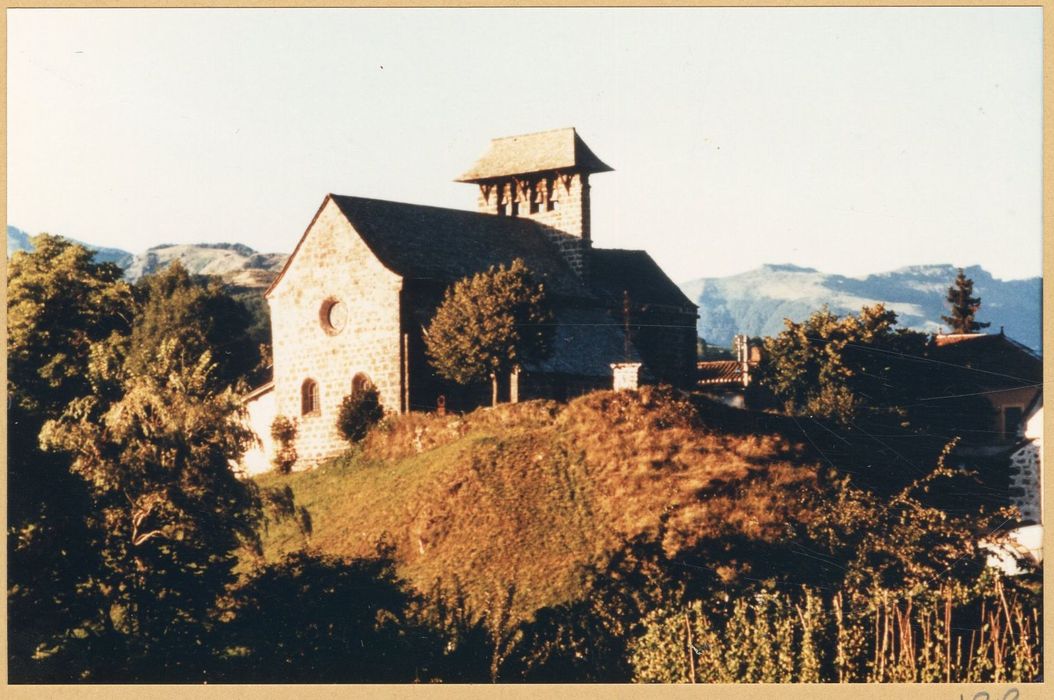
{"x": 850, "y": 140}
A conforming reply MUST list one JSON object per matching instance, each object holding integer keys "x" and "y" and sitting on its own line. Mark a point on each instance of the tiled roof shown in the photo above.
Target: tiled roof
{"x": 559, "y": 149}
{"x": 613, "y": 271}
{"x": 718, "y": 372}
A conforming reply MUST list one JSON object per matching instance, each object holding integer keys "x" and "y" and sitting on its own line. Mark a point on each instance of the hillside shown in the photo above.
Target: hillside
{"x": 528, "y": 494}
{"x": 756, "y": 302}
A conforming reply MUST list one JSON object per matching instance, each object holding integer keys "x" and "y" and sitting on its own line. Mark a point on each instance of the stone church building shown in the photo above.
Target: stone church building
{"x": 351, "y": 305}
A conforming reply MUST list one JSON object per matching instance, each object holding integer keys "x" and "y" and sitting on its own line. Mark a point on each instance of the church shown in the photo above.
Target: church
{"x": 351, "y": 305}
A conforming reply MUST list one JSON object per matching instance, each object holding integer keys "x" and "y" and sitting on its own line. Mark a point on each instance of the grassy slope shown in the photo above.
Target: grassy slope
{"x": 528, "y": 494}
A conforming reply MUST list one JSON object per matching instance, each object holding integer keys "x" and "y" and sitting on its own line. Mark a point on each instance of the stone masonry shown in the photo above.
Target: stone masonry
{"x": 558, "y": 201}
{"x": 331, "y": 265}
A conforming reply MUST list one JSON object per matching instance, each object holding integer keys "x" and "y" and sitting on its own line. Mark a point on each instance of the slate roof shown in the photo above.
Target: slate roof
{"x": 613, "y": 271}
{"x": 545, "y": 151}
{"x": 433, "y": 243}
{"x": 988, "y": 359}
{"x": 444, "y": 245}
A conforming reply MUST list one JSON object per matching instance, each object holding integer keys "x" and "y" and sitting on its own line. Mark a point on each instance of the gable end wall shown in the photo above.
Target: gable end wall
{"x": 333, "y": 261}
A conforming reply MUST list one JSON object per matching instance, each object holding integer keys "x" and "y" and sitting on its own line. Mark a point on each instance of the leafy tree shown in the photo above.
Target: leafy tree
{"x": 359, "y": 411}
{"x": 174, "y": 514}
{"x": 284, "y": 431}
{"x": 488, "y": 325}
{"x": 964, "y": 306}
{"x": 62, "y": 306}
{"x": 199, "y": 314}
{"x": 845, "y": 368}
{"x": 315, "y": 619}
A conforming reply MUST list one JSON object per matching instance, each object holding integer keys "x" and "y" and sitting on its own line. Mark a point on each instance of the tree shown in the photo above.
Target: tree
{"x": 964, "y": 306}
{"x": 201, "y": 316}
{"x": 317, "y": 619}
{"x": 845, "y": 368}
{"x": 172, "y": 511}
{"x": 62, "y": 307}
{"x": 489, "y": 325}
{"x": 359, "y": 411}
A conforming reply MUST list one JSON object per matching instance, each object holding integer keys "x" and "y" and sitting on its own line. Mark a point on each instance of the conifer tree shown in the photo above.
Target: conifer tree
{"x": 964, "y": 306}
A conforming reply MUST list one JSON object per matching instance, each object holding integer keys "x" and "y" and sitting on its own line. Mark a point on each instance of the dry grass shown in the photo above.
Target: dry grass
{"x": 528, "y": 494}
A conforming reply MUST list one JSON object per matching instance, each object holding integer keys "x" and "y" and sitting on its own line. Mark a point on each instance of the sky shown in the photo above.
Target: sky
{"x": 851, "y": 140}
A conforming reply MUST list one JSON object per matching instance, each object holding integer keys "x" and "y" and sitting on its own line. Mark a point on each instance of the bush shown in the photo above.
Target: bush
{"x": 359, "y": 411}
{"x": 284, "y": 431}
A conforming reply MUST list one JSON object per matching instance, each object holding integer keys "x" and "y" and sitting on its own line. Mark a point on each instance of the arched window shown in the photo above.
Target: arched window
{"x": 360, "y": 383}
{"x": 309, "y": 403}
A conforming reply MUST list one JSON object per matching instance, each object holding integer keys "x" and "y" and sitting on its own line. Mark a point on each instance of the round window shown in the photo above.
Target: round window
{"x": 334, "y": 315}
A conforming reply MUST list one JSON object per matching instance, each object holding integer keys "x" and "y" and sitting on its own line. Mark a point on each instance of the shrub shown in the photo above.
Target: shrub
{"x": 359, "y": 411}
{"x": 284, "y": 431}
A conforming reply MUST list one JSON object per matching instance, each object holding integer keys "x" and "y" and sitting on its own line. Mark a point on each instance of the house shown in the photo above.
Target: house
{"x": 1008, "y": 452}
{"x": 1024, "y": 541}
{"x": 727, "y": 380}
{"x": 352, "y": 303}
{"x": 1006, "y": 373}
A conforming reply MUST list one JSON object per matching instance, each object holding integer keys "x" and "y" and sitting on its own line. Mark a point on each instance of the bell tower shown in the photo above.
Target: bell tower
{"x": 543, "y": 177}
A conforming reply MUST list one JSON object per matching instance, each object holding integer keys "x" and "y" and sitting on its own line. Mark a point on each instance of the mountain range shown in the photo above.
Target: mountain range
{"x": 755, "y": 302}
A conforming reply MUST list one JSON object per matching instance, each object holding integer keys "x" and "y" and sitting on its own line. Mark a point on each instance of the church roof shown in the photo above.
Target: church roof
{"x": 559, "y": 149}
{"x": 614, "y": 271}
{"x": 445, "y": 245}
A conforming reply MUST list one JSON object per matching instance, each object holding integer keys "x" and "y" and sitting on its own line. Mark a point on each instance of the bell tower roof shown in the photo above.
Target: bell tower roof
{"x": 544, "y": 151}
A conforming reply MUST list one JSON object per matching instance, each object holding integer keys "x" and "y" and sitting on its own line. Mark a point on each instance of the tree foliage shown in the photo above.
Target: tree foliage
{"x": 309, "y": 619}
{"x": 845, "y": 368}
{"x": 201, "y": 316}
{"x": 62, "y": 306}
{"x": 174, "y": 516}
{"x": 359, "y": 411}
{"x": 964, "y": 306}
{"x": 128, "y": 518}
{"x": 489, "y": 324}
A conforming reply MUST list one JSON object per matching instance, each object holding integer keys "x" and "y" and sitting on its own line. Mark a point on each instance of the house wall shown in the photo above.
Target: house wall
{"x": 333, "y": 263}
{"x": 260, "y": 414}
{"x": 1001, "y": 400}
{"x": 1026, "y": 472}
{"x": 666, "y": 341}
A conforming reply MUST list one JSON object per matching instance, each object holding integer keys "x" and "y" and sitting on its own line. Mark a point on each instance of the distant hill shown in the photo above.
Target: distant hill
{"x": 756, "y": 302}
{"x": 17, "y": 240}
{"x": 238, "y": 264}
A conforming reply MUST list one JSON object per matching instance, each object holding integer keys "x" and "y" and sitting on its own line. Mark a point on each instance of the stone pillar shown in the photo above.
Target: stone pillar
{"x": 626, "y": 375}
{"x": 514, "y": 386}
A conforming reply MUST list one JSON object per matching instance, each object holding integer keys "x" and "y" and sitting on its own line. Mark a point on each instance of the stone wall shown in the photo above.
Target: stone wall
{"x": 1026, "y": 472}
{"x": 560, "y": 202}
{"x": 665, "y": 340}
{"x": 333, "y": 264}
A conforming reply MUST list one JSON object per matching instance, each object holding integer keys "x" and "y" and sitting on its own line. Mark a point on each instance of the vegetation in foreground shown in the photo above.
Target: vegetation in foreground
{"x": 700, "y": 552}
